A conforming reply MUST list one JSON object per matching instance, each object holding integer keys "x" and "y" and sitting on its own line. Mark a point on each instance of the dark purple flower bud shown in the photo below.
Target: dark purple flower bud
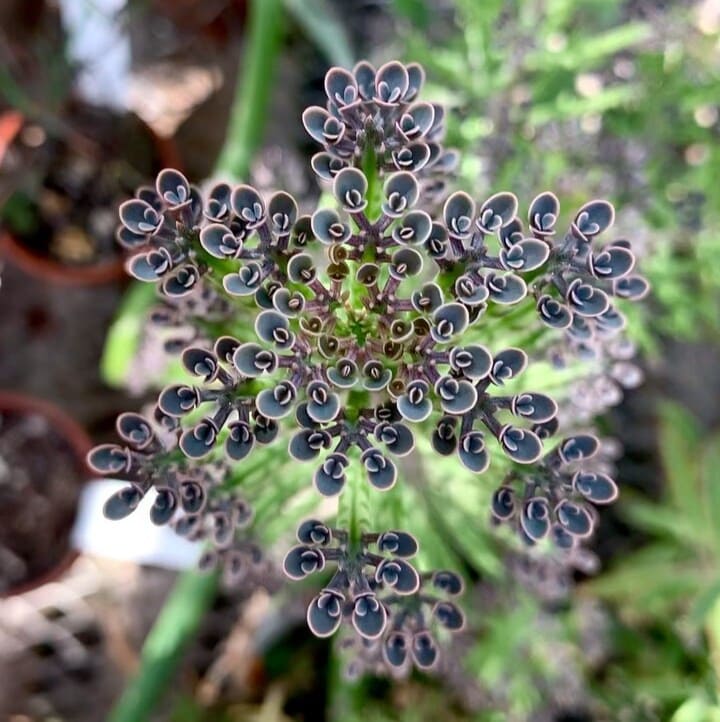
{"x": 444, "y": 440}
{"x": 330, "y": 478}
{"x": 473, "y": 453}
{"x": 414, "y": 404}
{"x": 458, "y": 213}
{"x": 248, "y": 206}
{"x": 535, "y": 518}
{"x": 503, "y": 505}
{"x": 507, "y": 365}
{"x": 449, "y": 616}
{"x": 543, "y": 214}
{"x": 593, "y": 218}
{"x": 123, "y": 502}
{"x": 497, "y": 211}
{"x": 398, "y": 575}
{"x": 395, "y": 649}
{"x": 520, "y": 445}
{"x": 324, "y": 614}
{"x": 173, "y": 188}
{"x": 240, "y": 440}
{"x": 135, "y": 430}
{"x": 276, "y": 403}
{"x": 574, "y": 518}
{"x": 140, "y": 217}
{"x": 369, "y": 616}
{"x": 399, "y": 543}
{"x": 246, "y": 281}
{"x": 308, "y": 443}
{"x": 163, "y": 507}
{"x": 401, "y": 194}
{"x": 381, "y": 472}
{"x": 312, "y": 531}
{"x": 595, "y": 486}
{"x": 448, "y": 582}
{"x": 302, "y": 561}
{"x": 424, "y": 649}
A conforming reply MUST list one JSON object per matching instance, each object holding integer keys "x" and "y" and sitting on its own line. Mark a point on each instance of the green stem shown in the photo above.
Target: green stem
{"x": 712, "y": 629}
{"x": 178, "y": 621}
{"x": 194, "y": 592}
{"x": 255, "y": 82}
{"x": 354, "y": 504}
{"x": 374, "y": 191}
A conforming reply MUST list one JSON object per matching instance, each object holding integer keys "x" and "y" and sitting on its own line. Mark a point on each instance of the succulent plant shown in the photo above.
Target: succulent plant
{"x": 347, "y": 335}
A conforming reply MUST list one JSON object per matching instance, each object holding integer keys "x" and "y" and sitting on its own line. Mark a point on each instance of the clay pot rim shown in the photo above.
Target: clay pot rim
{"x": 80, "y": 443}
{"x": 94, "y": 274}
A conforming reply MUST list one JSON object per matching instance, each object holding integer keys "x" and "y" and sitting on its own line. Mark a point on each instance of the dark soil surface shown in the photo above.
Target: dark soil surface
{"x": 40, "y": 481}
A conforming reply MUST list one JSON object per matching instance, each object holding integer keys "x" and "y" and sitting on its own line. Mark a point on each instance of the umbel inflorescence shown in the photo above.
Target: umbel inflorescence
{"x": 344, "y": 336}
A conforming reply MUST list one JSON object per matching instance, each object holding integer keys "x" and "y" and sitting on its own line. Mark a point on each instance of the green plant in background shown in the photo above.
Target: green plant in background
{"x": 602, "y": 96}
{"x": 667, "y": 594}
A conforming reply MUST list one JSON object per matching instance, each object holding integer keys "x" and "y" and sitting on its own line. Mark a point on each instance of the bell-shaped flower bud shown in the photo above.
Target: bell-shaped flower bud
{"x": 330, "y": 477}
{"x": 543, "y": 214}
{"x": 521, "y": 445}
{"x": 301, "y": 561}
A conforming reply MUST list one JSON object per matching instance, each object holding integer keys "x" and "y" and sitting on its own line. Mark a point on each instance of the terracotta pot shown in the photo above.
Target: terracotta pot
{"x": 14, "y": 251}
{"x": 79, "y": 444}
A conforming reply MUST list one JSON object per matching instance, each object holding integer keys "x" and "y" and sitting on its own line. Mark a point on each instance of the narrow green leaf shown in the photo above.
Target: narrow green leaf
{"x": 178, "y": 621}
{"x": 321, "y": 24}
{"x": 123, "y": 338}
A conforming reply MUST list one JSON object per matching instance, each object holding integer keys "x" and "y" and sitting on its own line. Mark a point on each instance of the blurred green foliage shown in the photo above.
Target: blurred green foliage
{"x": 613, "y": 98}
{"x": 667, "y": 594}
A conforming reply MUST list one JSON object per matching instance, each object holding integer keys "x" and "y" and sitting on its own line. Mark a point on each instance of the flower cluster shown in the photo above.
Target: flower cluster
{"x": 194, "y": 498}
{"x": 345, "y": 333}
{"x": 555, "y": 498}
{"x": 392, "y": 608}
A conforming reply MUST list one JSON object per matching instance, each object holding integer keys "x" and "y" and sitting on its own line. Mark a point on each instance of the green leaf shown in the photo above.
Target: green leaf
{"x": 125, "y": 334}
{"x": 321, "y": 24}
{"x": 178, "y": 621}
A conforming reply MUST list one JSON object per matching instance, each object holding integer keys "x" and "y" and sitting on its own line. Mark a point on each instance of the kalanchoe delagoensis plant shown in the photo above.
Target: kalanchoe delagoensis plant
{"x": 381, "y": 325}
